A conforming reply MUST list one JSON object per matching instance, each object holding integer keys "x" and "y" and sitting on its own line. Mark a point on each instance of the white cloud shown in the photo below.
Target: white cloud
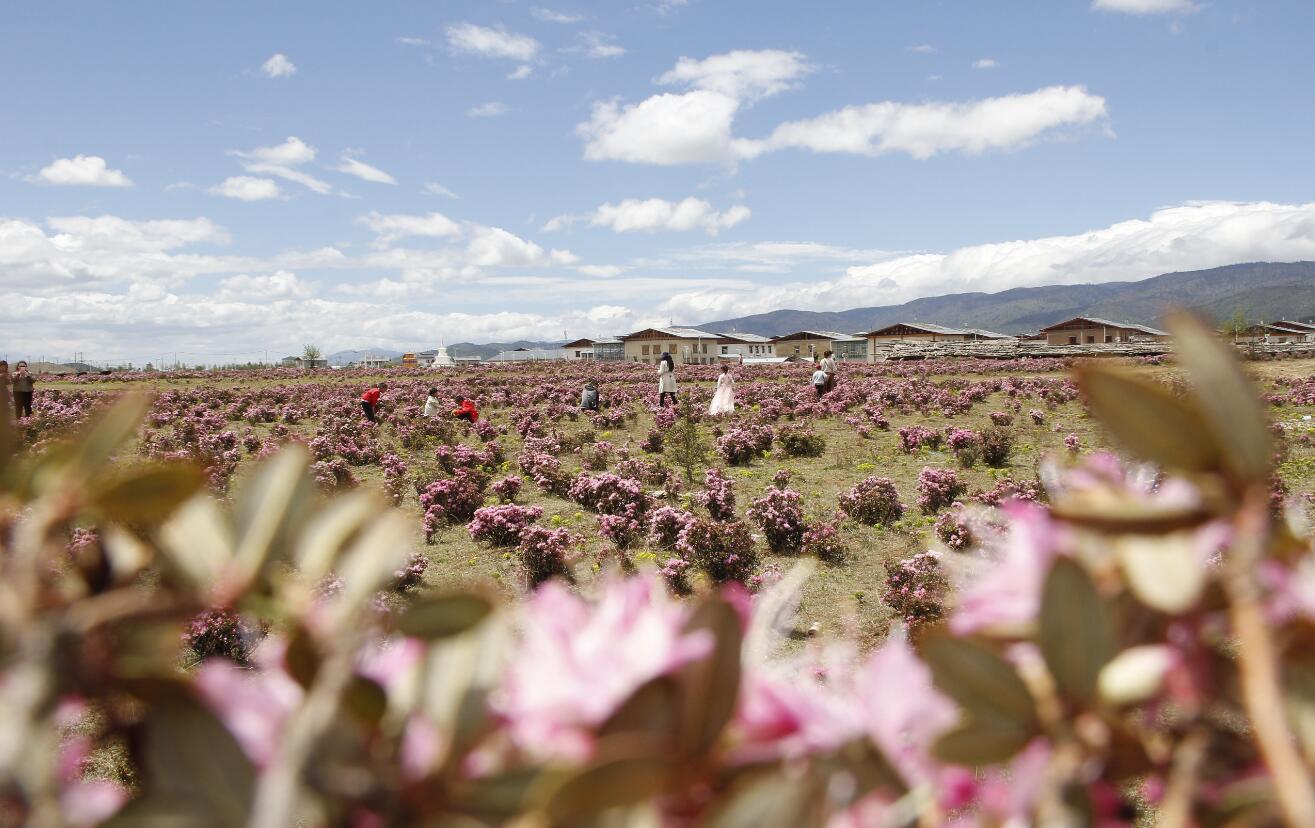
{"x": 697, "y": 126}
{"x": 689, "y": 128}
{"x": 247, "y": 188}
{"x": 492, "y": 109}
{"x": 923, "y": 49}
{"x": 390, "y": 228}
{"x": 1188, "y": 237}
{"x": 597, "y": 46}
{"x": 281, "y": 160}
{"x": 84, "y": 250}
{"x": 521, "y": 72}
{"x": 470, "y": 39}
{"x": 495, "y": 247}
{"x": 654, "y": 214}
{"x": 772, "y": 256}
{"x": 291, "y": 153}
{"x": 925, "y": 130}
{"x": 1145, "y": 6}
{"x": 364, "y": 171}
{"x": 601, "y": 271}
{"x": 413, "y": 41}
{"x": 551, "y": 16}
{"x": 434, "y": 188}
{"x": 83, "y": 170}
{"x": 282, "y": 284}
{"x": 279, "y": 66}
{"x": 743, "y": 75}
{"x": 986, "y": 63}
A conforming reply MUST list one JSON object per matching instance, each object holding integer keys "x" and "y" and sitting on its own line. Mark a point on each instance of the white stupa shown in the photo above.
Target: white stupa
{"x": 441, "y": 358}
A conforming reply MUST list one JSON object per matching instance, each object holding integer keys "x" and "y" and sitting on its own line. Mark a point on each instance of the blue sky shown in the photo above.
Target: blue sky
{"x": 224, "y": 180}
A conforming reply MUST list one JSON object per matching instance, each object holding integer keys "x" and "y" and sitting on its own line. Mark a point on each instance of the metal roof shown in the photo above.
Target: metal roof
{"x": 808, "y": 335}
{"x": 1131, "y": 326}
{"x": 746, "y": 337}
{"x": 527, "y": 354}
{"x": 678, "y": 333}
{"x": 942, "y": 329}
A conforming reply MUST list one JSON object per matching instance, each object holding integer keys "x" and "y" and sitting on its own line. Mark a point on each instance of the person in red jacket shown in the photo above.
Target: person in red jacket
{"x": 465, "y": 410}
{"x": 370, "y": 401}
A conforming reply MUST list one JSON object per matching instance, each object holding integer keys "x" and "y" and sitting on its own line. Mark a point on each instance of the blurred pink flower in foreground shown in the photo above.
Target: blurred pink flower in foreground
{"x": 578, "y": 661}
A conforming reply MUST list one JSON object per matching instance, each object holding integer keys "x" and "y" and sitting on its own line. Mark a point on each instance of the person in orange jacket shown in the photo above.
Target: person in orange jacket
{"x": 370, "y": 402}
{"x": 466, "y": 410}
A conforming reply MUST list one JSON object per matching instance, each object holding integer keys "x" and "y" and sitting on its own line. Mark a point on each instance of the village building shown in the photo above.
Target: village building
{"x": 528, "y": 355}
{"x": 743, "y": 347}
{"x": 578, "y": 349}
{"x": 609, "y": 349}
{"x": 1277, "y": 332}
{"x": 302, "y": 362}
{"x": 374, "y": 362}
{"x": 928, "y": 332}
{"x": 805, "y": 345}
{"x": 1091, "y": 330}
{"x": 687, "y": 346}
{"x": 851, "y": 348}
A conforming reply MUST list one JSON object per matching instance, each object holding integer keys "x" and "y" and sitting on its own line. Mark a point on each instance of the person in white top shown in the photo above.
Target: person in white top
{"x": 819, "y": 382}
{"x": 829, "y": 365}
{"x": 666, "y": 379}
{"x": 723, "y": 402}
{"x": 432, "y": 405}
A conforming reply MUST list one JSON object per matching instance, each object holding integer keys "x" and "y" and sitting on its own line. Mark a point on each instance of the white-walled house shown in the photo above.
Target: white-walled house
{"x": 743, "y": 347}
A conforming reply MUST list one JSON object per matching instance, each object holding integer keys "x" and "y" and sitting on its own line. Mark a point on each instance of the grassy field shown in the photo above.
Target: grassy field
{"x": 839, "y": 597}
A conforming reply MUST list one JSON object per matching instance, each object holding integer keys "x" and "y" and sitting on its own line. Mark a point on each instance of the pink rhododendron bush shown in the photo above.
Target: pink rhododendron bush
{"x": 1125, "y": 640}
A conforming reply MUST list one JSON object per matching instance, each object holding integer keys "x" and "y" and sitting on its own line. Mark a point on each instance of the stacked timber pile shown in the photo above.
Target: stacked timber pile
{"x": 1276, "y": 350}
{"x": 1012, "y": 349}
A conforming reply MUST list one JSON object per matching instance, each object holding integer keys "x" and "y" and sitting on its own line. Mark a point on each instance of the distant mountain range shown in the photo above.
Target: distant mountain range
{"x": 1260, "y": 290}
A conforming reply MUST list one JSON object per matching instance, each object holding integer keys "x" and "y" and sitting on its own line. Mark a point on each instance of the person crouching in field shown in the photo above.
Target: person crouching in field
{"x": 819, "y": 382}
{"x": 370, "y": 401}
{"x": 432, "y": 405}
{"x": 589, "y": 397}
{"x": 466, "y": 410}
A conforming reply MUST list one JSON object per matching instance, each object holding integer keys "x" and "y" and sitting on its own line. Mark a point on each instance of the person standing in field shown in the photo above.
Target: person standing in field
{"x": 432, "y": 405}
{"x": 23, "y": 388}
{"x": 466, "y": 410}
{"x": 828, "y": 364}
{"x": 723, "y": 402}
{"x": 666, "y": 379}
{"x": 370, "y": 402}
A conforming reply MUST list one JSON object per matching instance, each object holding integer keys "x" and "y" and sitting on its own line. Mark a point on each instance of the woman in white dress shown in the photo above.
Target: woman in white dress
{"x": 666, "y": 379}
{"x": 723, "y": 402}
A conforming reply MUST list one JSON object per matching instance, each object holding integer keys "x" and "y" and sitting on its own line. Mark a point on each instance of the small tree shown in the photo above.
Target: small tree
{"x": 311, "y": 354}
{"x": 1237, "y": 324}
{"x": 687, "y": 445}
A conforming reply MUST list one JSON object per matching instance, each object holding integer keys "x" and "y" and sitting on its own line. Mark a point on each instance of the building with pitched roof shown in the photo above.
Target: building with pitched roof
{"x": 1092, "y": 330}
{"x": 687, "y": 346}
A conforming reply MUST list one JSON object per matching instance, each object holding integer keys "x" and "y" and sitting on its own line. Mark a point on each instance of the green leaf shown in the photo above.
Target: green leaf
{"x": 432, "y": 617}
{"x": 1134, "y": 675}
{"x": 977, "y": 743}
{"x": 982, "y": 682}
{"x": 332, "y": 528}
{"x": 197, "y": 544}
{"x": 108, "y": 433}
{"x": 769, "y": 801}
{"x": 148, "y": 493}
{"x": 496, "y": 797}
{"x": 271, "y": 503}
{"x": 651, "y": 709}
{"x": 610, "y": 783}
{"x": 1229, "y": 402}
{"x": 711, "y": 685}
{"x": 1148, "y": 419}
{"x": 869, "y": 767}
{"x": 189, "y": 757}
{"x": 1299, "y": 700}
{"x": 1075, "y": 635}
{"x": 1164, "y": 572}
